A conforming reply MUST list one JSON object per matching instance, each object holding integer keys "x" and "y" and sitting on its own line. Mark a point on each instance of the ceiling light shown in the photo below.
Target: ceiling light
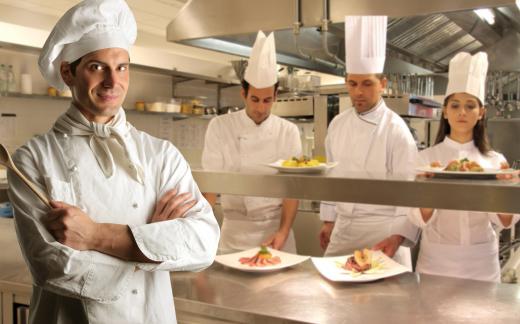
{"x": 487, "y": 15}
{"x": 518, "y": 4}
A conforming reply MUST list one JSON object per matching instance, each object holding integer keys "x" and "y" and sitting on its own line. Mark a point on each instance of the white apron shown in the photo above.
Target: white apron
{"x": 262, "y": 215}
{"x": 357, "y": 233}
{"x": 353, "y": 232}
{"x": 478, "y": 261}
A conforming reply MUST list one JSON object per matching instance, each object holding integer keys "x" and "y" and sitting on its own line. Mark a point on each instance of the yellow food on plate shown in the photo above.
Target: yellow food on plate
{"x": 302, "y": 162}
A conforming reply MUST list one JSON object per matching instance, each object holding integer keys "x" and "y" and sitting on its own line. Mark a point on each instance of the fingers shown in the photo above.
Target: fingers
{"x": 163, "y": 202}
{"x": 381, "y": 245}
{"x": 182, "y": 210}
{"x": 172, "y": 206}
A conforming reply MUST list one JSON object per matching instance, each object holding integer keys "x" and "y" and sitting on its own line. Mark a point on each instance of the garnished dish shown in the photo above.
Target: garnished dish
{"x": 362, "y": 262}
{"x": 261, "y": 259}
{"x": 465, "y": 169}
{"x": 362, "y": 266}
{"x": 301, "y": 162}
{"x": 461, "y": 165}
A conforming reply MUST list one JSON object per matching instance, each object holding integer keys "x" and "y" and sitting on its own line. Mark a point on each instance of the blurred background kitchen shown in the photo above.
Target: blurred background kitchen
{"x": 182, "y": 74}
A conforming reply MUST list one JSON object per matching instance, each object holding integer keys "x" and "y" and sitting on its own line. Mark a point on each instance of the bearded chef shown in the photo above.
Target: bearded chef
{"x": 243, "y": 140}
{"x": 367, "y": 138}
{"x": 457, "y": 243}
{"x": 125, "y": 210}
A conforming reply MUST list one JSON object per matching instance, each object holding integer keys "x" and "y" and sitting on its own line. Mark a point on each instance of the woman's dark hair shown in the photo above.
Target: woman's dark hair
{"x": 479, "y": 131}
{"x": 245, "y": 86}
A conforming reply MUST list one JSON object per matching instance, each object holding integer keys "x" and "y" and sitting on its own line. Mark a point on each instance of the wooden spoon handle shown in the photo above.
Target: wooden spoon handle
{"x": 31, "y": 186}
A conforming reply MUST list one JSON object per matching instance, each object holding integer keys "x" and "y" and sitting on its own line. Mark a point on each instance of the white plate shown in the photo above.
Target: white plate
{"x": 287, "y": 260}
{"x": 330, "y": 268}
{"x": 486, "y": 174}
{"x": 314, "y": 169}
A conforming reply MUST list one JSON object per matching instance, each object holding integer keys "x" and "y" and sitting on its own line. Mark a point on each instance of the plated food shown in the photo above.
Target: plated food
{"x": 462, "y": 165}
{"x": 261, "y": 259}
{"x": 465, "y": 169}
{"x": 301, "y": 162}
{"x": 362, "y": 266}
{"x": 360, "y": 262}
{"x": 306, "y": 166}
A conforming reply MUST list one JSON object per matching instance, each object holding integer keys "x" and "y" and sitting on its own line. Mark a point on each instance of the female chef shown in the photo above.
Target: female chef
{"x": 454, "y": 243}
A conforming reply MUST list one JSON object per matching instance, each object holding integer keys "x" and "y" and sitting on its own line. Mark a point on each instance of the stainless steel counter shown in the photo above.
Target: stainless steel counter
{"x": 479, "y": 195}
{"x": 300, "y": 294}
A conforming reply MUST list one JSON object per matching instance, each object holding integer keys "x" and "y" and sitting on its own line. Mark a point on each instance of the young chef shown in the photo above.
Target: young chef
{"x": 368, "y": 138}
{"x": 243, "y": 140}
{"x": 125, "y": 208}
{"x": 462, "y": 243}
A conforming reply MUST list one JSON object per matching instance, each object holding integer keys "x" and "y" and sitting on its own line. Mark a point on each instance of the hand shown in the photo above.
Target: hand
{"x": 389, "y": 245}
{"x": 70, "y": 226}
{"x": 503, "y": 166}
{"x": 277, "y": 240}
{"x": 172, "y": 206}
{"x": 325, "y": 232}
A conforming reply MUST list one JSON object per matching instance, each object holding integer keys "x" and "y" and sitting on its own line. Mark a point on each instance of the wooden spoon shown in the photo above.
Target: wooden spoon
{"x": 5, "y": 159}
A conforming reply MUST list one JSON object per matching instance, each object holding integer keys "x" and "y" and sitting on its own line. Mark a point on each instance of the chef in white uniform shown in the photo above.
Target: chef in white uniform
{"x": 456, "y": 243}
{"x": 125, "y": 208}
{"x": 245, "y": 140}
{"x": 367, "y": 138}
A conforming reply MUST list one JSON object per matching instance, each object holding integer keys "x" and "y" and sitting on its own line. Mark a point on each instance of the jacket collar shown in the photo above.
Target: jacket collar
{"x": 374, "y": 115}
{"x": 459, "y": 146}
{"x": 250, "y": 124}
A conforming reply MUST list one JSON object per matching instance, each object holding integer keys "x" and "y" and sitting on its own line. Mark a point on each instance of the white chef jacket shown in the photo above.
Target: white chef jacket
{"x": 71, "y": 286}
{"x": 234, "y": 142}
{"x": 377, "y": 141}
{"x": 459, "y": 243}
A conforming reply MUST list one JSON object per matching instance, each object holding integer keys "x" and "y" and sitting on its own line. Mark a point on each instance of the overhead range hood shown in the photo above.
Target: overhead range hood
{"x": 422, "y": 35}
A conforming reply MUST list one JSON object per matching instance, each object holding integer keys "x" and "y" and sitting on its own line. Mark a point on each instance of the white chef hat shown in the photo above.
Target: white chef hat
{"x": 365, "y": 44}
{"x": 89, "y": 26}
{"x": 261, "y": 71}
{"x": 468, "y": 74}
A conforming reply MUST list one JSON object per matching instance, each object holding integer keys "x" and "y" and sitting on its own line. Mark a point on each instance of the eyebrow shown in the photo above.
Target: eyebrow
{"x": 104, "y": 63}
{"x": 255, "y": 97}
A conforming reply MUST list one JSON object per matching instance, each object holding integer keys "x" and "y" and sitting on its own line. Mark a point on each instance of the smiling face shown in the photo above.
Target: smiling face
{"x": 259, "y": 102}
{"x": 463, "y": 111}
{"x": 365, "y": 90}
{"x": 99, "y": 83}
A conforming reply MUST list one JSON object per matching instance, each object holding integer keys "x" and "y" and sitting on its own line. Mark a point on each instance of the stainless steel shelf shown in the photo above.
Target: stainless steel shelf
{"x": 477, "y": 195}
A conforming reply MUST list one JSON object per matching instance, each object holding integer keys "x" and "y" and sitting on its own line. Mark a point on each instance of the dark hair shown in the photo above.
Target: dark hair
{"x": 479, "y": 131}
{"x": 74, "y": 65}
{"x": 245, "y": 86}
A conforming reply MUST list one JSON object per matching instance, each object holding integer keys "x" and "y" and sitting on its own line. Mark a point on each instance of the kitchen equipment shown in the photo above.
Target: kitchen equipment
{"x": 5, "y": 159}
{"x": 294, "y": 106}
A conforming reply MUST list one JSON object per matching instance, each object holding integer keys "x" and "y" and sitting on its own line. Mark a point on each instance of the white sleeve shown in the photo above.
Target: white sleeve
{"x": 212, "y": 156}
{"x": 54, "y": 266}
{"x": 403, "y": 159}
{"x": 294, "y": 142}
{"x": 183, "y": 244}
{"x": 328, "y": 208}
